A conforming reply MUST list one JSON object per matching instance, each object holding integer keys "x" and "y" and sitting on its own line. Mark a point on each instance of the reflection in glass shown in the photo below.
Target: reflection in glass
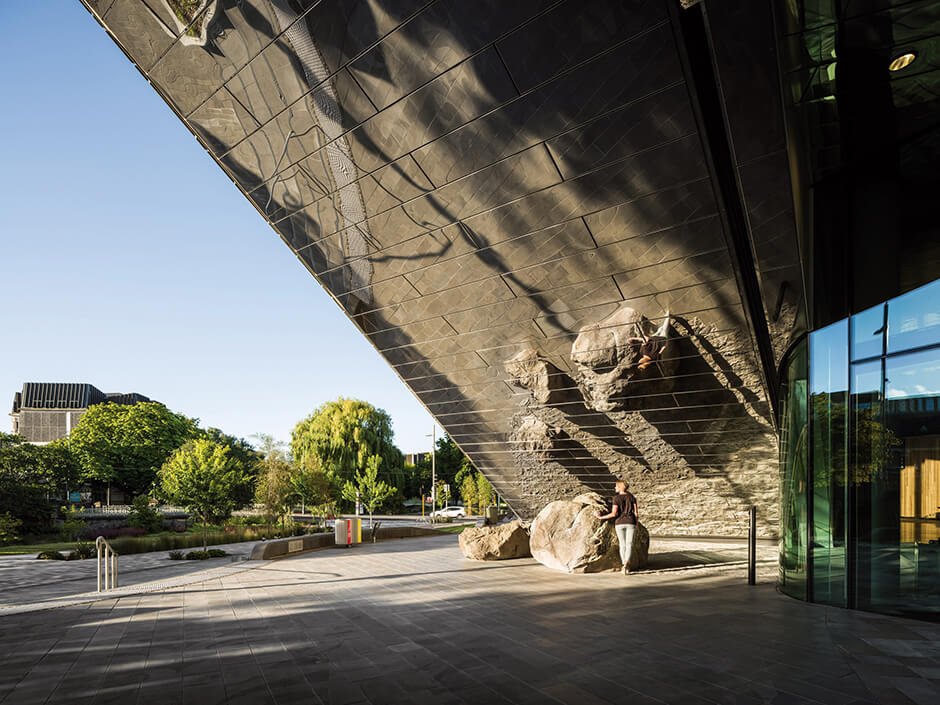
{"x": 829, "y": 385}
{"x": 914, "y": 319}
{"x": 793, "y": 467}
{"x": 868, "y": 328}
{"x": 912, "y": 418}
{"x": 870, "y": 494}
{"x": 876, "y": 514}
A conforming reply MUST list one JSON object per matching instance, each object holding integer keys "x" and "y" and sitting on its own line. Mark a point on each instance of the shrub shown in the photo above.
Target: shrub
{"x": 9, "y": 526}
{"x": 111, "y": 532}
{"x": 84, "y": 549}
{"x": 129, "y": 540}
{"x": 203, "y": 555}
{"x": 50, "y": 556}
{"x": 176, "y": 555}
{"x": 143, "y": 516}
{"x": 72, "y": 522}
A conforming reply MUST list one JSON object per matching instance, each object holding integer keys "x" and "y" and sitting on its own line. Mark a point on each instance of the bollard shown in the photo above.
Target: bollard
{"x": 752, "y": 547}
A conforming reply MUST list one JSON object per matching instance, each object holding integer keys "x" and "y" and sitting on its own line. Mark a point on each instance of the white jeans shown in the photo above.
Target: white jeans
{"x": 625, "y": 537}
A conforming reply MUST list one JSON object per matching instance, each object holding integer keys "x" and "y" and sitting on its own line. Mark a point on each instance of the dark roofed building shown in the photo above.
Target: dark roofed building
{"x": 45, "y": 411}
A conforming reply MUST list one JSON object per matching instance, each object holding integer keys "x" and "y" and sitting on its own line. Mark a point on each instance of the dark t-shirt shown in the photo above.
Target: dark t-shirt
{"x": 624, "y": 504}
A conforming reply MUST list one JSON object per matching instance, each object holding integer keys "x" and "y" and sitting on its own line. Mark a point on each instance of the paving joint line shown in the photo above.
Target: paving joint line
{"x": 131, "y": 590}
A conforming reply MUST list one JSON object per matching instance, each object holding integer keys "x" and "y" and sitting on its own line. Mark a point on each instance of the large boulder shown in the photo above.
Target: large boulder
{"x": 495, "y": 543}
{"x": 567, "y": 535}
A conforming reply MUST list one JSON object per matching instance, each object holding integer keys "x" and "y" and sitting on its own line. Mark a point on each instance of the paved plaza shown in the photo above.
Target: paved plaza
{"x": 412, "y": 622}
{"x": 27, "y": 584}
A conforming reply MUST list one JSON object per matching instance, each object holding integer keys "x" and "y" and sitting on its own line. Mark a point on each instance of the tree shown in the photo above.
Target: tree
{"x": 25, "y": 484}
{"x": 468, "y": 491}
{"x": 474, "y": 487}
{"x": 485, "y": 492}
{"x": 368, "y": 488}
{"x": 143, "y": 516}
{"x": 417, "y": 477}
{"x": 59, "y": 466}
{"x": 311, "y": 484}
{"x": 449, "y": 460}
{"x": 127, "y": 444}
{"x": 275, "y": 489}
{"x": 203, "y": 477}
{"x": 243, "y": 453}
{"x": 268, "y": 444}
{"x": 343, "y": 435}
{"x": 444, "y": 492}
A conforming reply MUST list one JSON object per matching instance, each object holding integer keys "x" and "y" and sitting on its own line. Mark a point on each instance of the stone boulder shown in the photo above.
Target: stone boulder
{"x": 495, "y": 543}
{"x": 567, "y": 536}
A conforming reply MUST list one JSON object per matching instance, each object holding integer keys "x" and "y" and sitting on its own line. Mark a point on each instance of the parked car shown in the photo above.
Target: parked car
{"x": 452, "y": 512}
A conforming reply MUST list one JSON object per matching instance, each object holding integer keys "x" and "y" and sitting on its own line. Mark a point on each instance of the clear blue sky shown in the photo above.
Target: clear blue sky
{"x": 131, "y": 262}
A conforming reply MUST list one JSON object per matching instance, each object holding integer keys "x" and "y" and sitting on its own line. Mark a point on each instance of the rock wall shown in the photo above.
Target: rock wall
{"x": 695, "y": 468}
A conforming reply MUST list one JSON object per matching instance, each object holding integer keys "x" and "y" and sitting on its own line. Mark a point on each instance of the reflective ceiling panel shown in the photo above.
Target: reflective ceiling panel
{"x": 517, "y": 204}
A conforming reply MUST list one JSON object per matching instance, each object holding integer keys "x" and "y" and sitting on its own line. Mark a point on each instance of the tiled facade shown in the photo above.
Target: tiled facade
{"x": 477, "y": 181}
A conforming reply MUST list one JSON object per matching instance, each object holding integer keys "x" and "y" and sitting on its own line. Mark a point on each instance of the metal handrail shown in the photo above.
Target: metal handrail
{"x": 109, "y": 564}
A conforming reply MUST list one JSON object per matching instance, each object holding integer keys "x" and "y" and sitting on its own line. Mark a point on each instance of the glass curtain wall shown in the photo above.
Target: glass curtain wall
{"x": 829, "y": 390}
{"x": 860, "y": 460}
{"x": 794, "y": 459}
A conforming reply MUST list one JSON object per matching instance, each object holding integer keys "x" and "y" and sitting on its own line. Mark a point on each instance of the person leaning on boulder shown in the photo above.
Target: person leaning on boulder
{"x": 624, "y": 509}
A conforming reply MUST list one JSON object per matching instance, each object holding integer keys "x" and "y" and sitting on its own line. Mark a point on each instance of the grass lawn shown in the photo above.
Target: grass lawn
{"x": 23, "y": 549}
{"x": 451, "y": 528}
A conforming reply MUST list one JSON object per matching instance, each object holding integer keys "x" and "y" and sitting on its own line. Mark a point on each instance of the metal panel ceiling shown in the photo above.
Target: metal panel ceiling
{"x": 477, "y": 181}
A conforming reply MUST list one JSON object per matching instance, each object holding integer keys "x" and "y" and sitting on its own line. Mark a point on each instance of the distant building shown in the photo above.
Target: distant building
{"x": 415, "y": 458}
{"x": 46, "y": 411}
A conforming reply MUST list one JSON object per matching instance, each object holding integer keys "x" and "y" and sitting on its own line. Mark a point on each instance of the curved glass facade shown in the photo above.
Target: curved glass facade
{"x": 860, "y": 460}
{"x": 793, "y": 466}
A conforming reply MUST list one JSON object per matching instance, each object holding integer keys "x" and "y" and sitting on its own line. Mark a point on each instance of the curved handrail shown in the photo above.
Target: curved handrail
{"x": 110, "y": 564}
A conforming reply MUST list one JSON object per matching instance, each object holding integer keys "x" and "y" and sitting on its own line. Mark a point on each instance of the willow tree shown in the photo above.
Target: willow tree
{"x": 342, "y": 435}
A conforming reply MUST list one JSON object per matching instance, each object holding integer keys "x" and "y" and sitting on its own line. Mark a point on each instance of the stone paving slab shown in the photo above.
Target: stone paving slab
{"x": 413, "y": 622}
{"x": 25, "y": 581}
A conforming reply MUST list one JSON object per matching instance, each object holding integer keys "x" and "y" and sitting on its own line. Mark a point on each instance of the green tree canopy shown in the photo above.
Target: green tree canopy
{"x": 449, "y": 460}
{"x": 24, "y": 484}
{"x": 243, "y": 453}
{"x": 468, "y": 492}
{"x": 275, "y": 490}
{"x": 342, "y": 435}
{"x": 368, "y": 488}
{"x": 312, "y": 485}
{"x": 58, "y": 465}
{"x": 204, "y": 477}
{"x": 486, "y": 495}
{"x": 417, "y": 478}
{"x": 127, "y": 444}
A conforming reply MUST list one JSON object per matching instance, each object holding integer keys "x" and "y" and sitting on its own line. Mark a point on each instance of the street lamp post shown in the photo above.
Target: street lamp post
{"x": 433, "y": 435}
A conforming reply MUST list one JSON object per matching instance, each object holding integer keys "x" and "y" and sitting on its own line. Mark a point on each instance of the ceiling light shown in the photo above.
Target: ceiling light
{"x": 902, "y": 61}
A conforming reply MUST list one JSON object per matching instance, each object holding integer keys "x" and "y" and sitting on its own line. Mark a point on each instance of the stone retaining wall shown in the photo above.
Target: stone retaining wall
{"x": 277, "y": 548}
